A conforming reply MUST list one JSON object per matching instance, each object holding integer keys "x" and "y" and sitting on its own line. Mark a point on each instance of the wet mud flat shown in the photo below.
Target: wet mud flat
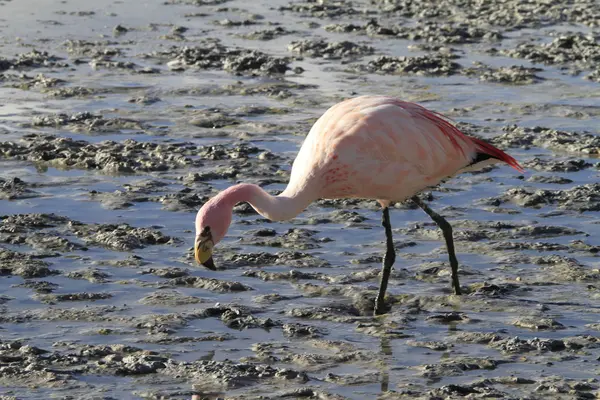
{"x": 118, "y": 121}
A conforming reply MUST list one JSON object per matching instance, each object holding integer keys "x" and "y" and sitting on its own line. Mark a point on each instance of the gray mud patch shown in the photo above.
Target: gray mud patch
{"x": 85, "y": 122}
{"x": 32, "y": 60}
{"x": 266, "y": 34}
{"x": 578, "y": 198}
{"x": 514, "y": 75}
{"x": 511, "y": 15}
{"x": 214, "y": 55}
{"x": 435, "y": 64}
{"x": 577, "y": 49}
{"x": 553, "y": 139}
{"x": 426, "y": 31}
{"x": 112, "y": 157}
{"x": 15, "y": 189}
{"x": 333, "y": 50}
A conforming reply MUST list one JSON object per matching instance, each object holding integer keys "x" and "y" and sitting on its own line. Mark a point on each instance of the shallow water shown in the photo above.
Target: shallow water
{"x": 390, "y": 364}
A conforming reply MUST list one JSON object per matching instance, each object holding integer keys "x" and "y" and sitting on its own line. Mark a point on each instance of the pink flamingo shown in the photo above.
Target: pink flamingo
{"x": 374, "y": 147}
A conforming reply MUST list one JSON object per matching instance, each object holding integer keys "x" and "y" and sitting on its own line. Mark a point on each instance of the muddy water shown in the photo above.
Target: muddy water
{"x": 119, "y": 120}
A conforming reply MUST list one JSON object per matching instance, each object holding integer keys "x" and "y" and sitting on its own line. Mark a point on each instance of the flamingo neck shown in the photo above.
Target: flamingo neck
{"x": 282, "y": 207}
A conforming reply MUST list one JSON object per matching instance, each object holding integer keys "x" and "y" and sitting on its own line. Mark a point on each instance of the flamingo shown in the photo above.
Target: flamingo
{"x": 374, "y": 147}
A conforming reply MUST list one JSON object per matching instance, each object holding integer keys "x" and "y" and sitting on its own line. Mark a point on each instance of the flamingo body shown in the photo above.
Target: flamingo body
{"x": 374, "y": 147}
{"x": 382, "y": 148}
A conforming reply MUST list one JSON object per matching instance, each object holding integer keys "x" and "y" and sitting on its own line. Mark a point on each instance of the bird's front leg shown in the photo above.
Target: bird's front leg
{"x": 447, "y": 231}
{"x": 388, "y": 262}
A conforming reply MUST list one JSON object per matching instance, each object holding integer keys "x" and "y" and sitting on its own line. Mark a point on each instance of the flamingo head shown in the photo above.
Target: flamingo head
{"x": 212, "y": 222}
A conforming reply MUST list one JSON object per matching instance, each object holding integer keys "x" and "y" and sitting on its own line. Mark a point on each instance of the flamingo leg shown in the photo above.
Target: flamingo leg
{"x": 388, "y": 262}
{"x": 447, "y": 231}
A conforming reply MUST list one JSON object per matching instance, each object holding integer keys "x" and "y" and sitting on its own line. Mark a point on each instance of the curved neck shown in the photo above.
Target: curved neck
{"x": 283, "y": 207}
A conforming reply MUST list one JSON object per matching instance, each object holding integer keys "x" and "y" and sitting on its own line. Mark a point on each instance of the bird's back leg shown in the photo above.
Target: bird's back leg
{"x": 388, "y": 262}
{"x": 447, "y": 231}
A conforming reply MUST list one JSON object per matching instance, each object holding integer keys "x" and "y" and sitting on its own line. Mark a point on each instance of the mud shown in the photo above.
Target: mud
{"x": 216, "y": 56}
{"x": 117, "y": 125}
{"x": 578, "y": 49}
{"x": 511, "y": 15}
{"x": 435, "y": 64}
{"x": 516, "y": 75}
{"x": 427, "y": 31}
{"x": 578, "y": 198}
{"x": 267, "y": 34}
{"x": 32, "y": 60}
{"x": 85, "y": 122}
{"x": 127, "y": 156}
{"x": 15, "y": 188}
{"x": 320, "y": 48}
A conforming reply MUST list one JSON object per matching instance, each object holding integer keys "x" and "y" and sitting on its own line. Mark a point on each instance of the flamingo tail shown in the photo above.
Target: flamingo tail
{"x": 494, "y": 152}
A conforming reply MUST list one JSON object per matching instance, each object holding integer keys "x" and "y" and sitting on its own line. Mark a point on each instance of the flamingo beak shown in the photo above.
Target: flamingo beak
{"x": 203, "y": 254}
{"x": 210, "y": 264}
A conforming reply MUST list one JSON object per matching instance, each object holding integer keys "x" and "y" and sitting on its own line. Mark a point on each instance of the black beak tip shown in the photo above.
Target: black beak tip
{"x": 210, "y": 264}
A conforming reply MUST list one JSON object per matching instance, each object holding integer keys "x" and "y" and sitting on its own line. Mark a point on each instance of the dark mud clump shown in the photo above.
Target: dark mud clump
{"x": 119, "y": 237}
{"x": 514, "y": 75}
{"x": 24, "y": 265}
{"x": 84, "y": 296}
{"x": 579, "y": 198}
{"x": 267, "y": 34}
{"x": 110, "y": 157}
{"x": 333, "y": 50}
{"x": 172, "y": 298}
{"x": 443, "y": 33}
{"x": 436, "y": 64}
{"x": 571, "y": 165}
{"x": 426, "y": 31}
{"x": 292, "y": 275}
{"x": 331, "y": 9}
{"x": 122, "y": 237}
{"x": 30, "y": 365}
{"x": 214, "y": 285}
{"x": 95, "y": 49}
{"x": 216, "y": 56}
{"x": 93, "y": 275}
{"x": 289, "y": 258}
{"x": 297, "y": 238}
{"x": 183, "y": 200}
{"x": 38, "y": 286}
{"x": 23, "y": 222}
{"x": 301, "y": 330}
{"x": 579, "y": 49}
{"x": 31, "y": 60}
{"x": 73, "y": 91}
{"x": 571, "y": 142}
{"x": 594, "y": 76}
{"x": 233, "y": 23}
{"x": 510, "y": 14}
{"x": 229, "y": 375}
{"x": 276, "y": 89}
{"x": 349, "y": 218}
{"x": 336, "y": 313}
{"x": 474, "y": 231}
{"x": 537, "y": 324}
{"x": 556, "y": 180}
{"x": 458, "y": 367}
{"x": 19, "y": 229}
{"x": 26, "y": 82}
{"x": 86, "y": 122}
{"x": 15, "y": 188}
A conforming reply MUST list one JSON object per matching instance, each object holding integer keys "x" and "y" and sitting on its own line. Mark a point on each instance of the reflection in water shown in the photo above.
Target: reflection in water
{"x": 386, "y": 350}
